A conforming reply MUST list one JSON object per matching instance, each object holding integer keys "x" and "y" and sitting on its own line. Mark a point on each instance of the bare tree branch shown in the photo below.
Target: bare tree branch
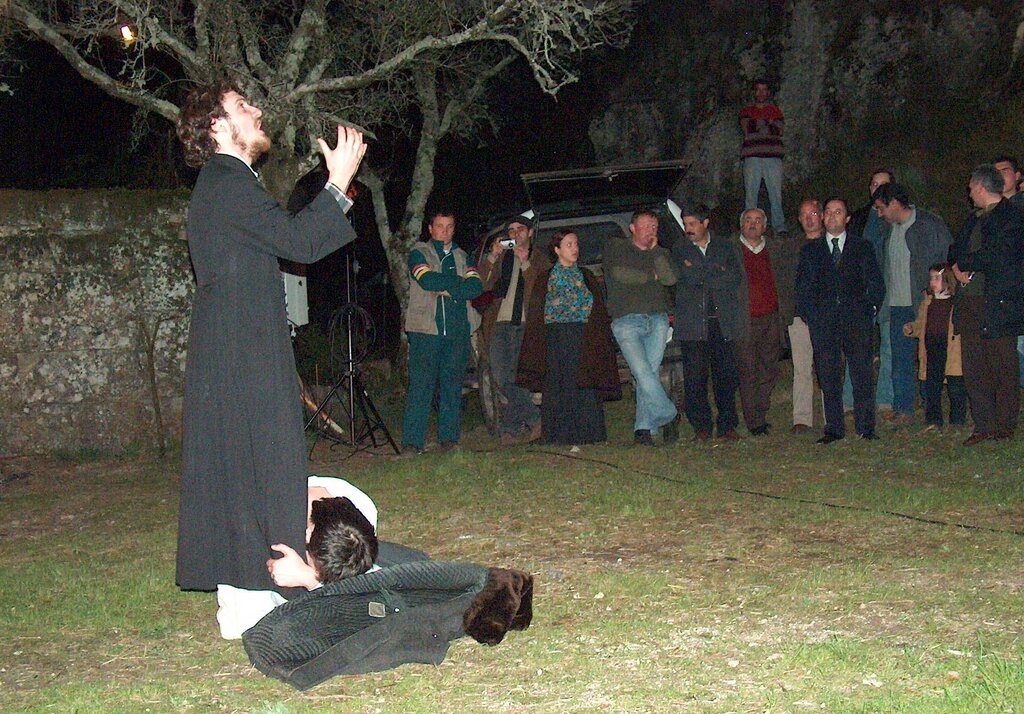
{"x": 416, "y": 68}
{"x": 479, "y": 32}
{"x": 45, "y": 32}
{"x": 151, "y": 31}
{"x": 311, "y": 24}
{"x": 201, "y": 27}
{"x": 473, "y": 94}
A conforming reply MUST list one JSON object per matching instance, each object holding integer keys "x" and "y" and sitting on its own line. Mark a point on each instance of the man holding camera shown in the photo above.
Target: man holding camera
{"x": 509, "y": 273}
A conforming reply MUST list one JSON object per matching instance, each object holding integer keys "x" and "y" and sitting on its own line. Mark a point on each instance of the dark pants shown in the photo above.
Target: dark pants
{"x": 436, "y": 364}
{"x": 935, "y": 374}
{"x": 831, "y": 344}
{"x": 757, "y": 361}
{"x": 699, "y": 357}
{"x": 990, "y": 372}
{"x": 518, "y": 411}
{"x": 570, "y": 414}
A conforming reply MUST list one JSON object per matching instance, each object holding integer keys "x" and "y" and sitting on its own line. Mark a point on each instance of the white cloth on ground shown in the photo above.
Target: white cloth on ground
{"x": 238, "y": 609}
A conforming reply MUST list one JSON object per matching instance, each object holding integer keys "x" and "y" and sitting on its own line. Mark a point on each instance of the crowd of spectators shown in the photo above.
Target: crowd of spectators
{"x": 881, "y": 306}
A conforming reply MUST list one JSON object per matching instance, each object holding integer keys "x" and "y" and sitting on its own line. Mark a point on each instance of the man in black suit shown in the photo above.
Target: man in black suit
{"x": 839, "y": 289}
{"x": 244, "y": 464}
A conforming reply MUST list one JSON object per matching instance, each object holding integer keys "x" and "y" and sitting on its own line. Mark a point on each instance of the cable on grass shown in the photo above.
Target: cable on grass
{"x": 793, "y": 499}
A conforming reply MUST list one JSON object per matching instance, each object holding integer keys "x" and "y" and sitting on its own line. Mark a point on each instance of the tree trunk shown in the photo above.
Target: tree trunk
{"x": 279, "y": 173}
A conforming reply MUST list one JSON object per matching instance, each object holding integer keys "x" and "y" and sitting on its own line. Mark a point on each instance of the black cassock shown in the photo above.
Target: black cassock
{"x": 243, "y": 484}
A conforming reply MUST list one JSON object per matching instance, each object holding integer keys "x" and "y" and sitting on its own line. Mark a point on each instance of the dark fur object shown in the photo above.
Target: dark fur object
{"x": 505, "y": 603}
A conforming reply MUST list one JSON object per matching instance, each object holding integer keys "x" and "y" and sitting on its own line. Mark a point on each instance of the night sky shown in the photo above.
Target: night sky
{"x": 61, "y": 131}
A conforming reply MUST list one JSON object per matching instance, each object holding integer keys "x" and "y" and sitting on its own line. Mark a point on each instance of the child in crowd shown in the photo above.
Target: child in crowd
{"x": 938, "y": 349}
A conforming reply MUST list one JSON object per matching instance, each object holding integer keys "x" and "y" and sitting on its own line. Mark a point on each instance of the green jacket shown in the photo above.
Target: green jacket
{"x": 432, "y": 271}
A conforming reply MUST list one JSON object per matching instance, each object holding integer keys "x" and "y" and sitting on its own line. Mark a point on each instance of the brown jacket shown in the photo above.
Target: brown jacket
{"x": 597, "y": 368}
{"x": 954, "y": 363}
{"x": 490, "y": 274}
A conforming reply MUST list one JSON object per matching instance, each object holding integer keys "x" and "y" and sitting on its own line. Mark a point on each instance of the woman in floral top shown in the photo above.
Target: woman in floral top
{"x": 567, "y": 352}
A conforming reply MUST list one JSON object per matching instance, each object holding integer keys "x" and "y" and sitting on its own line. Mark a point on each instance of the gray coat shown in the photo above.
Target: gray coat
{"x": 928, "y": 240}
{"x": 705, "y": 280}
{"x": 243, "y": 483}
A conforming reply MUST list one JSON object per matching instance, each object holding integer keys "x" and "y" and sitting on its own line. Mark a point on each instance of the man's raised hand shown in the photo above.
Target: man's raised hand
{"x": 344, "y": 159}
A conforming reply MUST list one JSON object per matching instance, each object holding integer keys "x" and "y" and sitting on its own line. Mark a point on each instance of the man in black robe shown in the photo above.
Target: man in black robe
{"x": 243, "y": 485}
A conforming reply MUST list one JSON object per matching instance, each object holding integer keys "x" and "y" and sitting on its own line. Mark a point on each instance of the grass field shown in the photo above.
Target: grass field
{"x": 770, "y": 575}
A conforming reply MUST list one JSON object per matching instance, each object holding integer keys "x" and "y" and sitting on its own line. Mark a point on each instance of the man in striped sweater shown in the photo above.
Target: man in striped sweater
{"x": 762, "y": 152}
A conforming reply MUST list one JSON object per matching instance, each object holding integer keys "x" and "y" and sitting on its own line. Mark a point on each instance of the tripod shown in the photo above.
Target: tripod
{"x": 364, "y": 421}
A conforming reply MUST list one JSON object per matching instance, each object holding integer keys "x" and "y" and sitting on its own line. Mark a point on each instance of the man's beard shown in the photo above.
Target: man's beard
{"x": 251, "y": 150}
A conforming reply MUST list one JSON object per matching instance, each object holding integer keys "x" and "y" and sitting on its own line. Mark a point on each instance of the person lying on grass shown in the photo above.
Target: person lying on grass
{"x": 342, "y": 542}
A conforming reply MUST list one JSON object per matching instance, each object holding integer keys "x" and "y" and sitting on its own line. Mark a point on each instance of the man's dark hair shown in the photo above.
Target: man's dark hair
{"x": 202, "y": 106}
{"x": 649, "y": 212}
{"x": 443, "y": 211}
{"x": 700, "y": 211}
{"x": 1011, "y": 160}
{"x": 830, "y": 199}
{"x": 887, "y": 172}
{"x": 989, "y": 177}
{"x": 343, "y": 542}
{"x": 761, "y": 80}
{"x": 889, "y": 192}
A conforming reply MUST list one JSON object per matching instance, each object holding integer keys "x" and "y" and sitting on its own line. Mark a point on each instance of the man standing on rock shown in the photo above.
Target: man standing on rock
{"x": 762, "y": 152}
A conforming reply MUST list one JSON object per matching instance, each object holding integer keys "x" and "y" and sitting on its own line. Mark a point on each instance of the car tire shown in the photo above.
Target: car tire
{"x": 490, "y": 399}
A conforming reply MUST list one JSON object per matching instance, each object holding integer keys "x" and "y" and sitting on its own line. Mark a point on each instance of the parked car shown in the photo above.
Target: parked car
{"x": 597, "y": 205}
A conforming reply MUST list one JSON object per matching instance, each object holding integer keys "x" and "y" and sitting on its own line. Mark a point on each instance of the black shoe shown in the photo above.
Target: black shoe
{"x": 643, "y": 437}
{"x": 445, "y": 446}
{"x": 829, "y": 438}
{"x": 760, "y": 430}
{"x": 410, "y": 450}
{"x": 869, "y": 436}
{"x": 670, "y": 432}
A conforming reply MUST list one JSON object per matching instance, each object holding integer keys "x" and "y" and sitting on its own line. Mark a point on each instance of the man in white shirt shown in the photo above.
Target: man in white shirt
{"x": 838, "y": 291}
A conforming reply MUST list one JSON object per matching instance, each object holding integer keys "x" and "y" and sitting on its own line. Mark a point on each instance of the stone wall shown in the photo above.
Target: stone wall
{"x": 95, "y": 288}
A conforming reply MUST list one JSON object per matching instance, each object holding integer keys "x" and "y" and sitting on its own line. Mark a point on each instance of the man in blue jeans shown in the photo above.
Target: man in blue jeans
{"x": 913, "y": 240}
{"x": 637, "y": 273}
{"x": 762, "y": 151}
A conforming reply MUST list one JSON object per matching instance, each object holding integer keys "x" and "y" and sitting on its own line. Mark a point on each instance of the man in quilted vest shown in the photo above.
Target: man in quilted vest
{"x": 438, "y": 322}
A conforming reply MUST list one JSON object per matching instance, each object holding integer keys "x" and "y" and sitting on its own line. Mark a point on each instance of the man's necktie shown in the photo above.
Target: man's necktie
{"x": 836, "y": 253}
